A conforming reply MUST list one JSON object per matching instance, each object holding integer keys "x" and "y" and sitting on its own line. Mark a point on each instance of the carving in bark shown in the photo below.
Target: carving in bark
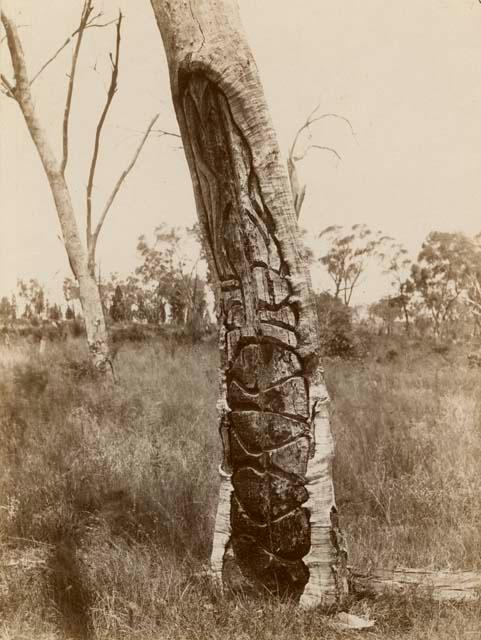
{"x": 267, "y": 426}
{"x": 276, "y": 526}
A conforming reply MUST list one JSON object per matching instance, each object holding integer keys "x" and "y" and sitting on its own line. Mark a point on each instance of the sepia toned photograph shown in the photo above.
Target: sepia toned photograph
{"x": 240, "y": 320}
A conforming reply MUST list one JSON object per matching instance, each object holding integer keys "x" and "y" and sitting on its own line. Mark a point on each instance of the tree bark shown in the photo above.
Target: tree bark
{"x": 461, "y": 586}
{"x": 89, "y": 294}
{"x": 276, "y": 527}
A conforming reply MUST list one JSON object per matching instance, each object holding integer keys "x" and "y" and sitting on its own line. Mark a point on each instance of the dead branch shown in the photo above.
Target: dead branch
{"x": 316, "y": 146}
{"x": 166, "y": 133}
{"x": 87, "y": 10}
{"x": 298, "y": 191}
{"x": 311, "y": 119}
{"x": 9, "y": 89}
{"x": 90, "y": 25}
{"x": 110, "y": 95}
{"x": 117, "y": 186}
{"x": 438, "y": 585}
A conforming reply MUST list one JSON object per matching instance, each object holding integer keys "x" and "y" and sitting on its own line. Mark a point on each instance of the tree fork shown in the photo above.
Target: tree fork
{"x": 89, "y": 295}
{"x": 277, "y": 525}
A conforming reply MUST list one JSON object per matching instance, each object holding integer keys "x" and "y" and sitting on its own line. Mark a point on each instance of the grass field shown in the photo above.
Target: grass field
{"x": 107, "y": 495}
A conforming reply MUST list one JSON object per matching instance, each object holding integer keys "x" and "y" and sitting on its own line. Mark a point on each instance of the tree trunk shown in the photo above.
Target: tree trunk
{"x": 276, "y": 528}
{"x": 89, "y": 294}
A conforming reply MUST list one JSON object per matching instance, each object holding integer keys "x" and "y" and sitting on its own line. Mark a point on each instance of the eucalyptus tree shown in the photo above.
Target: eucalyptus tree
{"x": 443, "y": 274}
{"x": 276, "y": 526}
{"x": 81, "y": 255}
{"x": 348, "y": 254}
{"x": 398, "y": 267}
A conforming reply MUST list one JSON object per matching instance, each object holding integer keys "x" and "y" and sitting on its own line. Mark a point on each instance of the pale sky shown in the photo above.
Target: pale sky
{"x": 406, "y": 74}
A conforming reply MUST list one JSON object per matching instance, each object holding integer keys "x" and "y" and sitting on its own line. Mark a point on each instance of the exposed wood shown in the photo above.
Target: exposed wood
{"x": 281, "y": 534}
{"x": 439, "y": 585}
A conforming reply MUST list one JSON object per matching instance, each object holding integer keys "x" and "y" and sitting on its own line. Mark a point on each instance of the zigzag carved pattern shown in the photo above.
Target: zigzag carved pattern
{"x": 266, "y": 391}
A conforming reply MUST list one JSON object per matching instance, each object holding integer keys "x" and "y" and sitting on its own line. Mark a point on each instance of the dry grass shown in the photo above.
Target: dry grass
{"x": 107, "y": 495}
{"x": 408, "y": 460}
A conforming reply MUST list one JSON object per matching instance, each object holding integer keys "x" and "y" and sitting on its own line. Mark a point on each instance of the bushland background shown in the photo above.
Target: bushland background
{"x": 107, "y": 492}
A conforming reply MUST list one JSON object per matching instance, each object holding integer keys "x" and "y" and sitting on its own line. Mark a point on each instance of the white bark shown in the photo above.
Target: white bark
{"x": 460, "y": 586}
{"x": 273, "y": 402}
{"x": 89, "y": 293}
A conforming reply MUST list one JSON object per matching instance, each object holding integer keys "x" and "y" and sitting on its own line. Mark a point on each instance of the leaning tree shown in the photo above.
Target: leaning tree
{"x": 276, "y": 526}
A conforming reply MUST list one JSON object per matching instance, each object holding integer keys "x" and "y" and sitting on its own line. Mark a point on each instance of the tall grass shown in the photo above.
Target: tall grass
{"x": 408, "y": 460}
{"x": 107, "y": 494}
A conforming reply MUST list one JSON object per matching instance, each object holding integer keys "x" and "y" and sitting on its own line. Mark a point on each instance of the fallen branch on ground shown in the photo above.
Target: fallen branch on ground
{"x": 460, "y": 586}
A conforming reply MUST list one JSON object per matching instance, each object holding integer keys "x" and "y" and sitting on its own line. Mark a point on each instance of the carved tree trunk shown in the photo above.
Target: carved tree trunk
{"x": 89, "y": 293}
{"x": 276, "y": 527}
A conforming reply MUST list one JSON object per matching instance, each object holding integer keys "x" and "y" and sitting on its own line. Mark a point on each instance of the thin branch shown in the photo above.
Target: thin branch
{"x": 89, "y": 25}
{"x": 9, "y": 89}
{"x": 166, "y": 133}
{"x": 97, "y": 25}
{"x": 119, "y": 182}
{"x": 87, "y": 10}
{"x": 52, "y": 58}
{"x": 316, "y": 146}
{"x": 311, "y": 120}
{"x": 298, "y": 191}
{"x": 335, "y": 115}
{"x": 301, "y": 129}
{"x": 110, "y": 95}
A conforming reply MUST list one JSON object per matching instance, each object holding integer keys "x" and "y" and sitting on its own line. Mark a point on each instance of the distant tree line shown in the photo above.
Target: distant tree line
{"x": 439, "y": 293}
{"x": 165, "y": 287}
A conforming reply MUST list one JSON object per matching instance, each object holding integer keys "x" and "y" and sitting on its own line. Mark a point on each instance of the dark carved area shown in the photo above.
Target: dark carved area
{"x": 267, "y": 392}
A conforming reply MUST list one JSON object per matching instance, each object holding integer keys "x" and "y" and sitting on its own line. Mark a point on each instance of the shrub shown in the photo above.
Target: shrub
{"x": 339, "y": 338}
{"x": 82, "y": 369}
{"x": 77, "y": 328}
{"x": 129, "y": 333}
{"x": 441, "y": 349}
{"x": 392, "y": 355}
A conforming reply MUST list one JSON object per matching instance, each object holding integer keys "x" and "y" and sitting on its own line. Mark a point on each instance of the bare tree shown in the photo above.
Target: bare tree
{"x": 81, "y": 256}
{"x": 295, "y": 155}
{"x": 276, "y": 526}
